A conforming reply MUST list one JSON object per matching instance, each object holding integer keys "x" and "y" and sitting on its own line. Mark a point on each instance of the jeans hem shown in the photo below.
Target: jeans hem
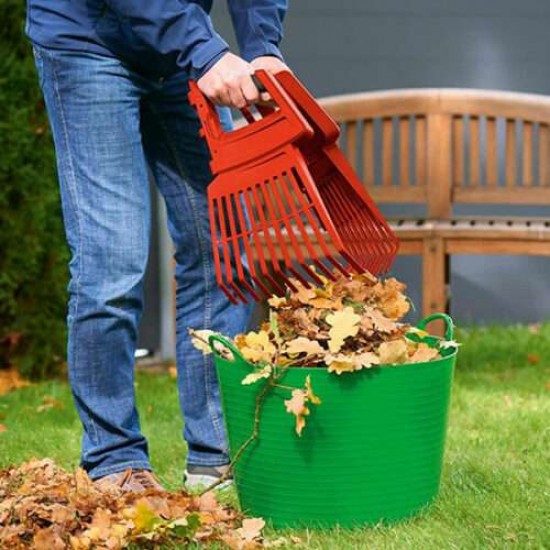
{"x": 195, "y": 460}
{"x": 121, "y": 467}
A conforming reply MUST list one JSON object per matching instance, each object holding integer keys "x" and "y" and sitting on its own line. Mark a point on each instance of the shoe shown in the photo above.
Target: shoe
{"x": 201, "y": 477}
{"x": 136, "y": 481}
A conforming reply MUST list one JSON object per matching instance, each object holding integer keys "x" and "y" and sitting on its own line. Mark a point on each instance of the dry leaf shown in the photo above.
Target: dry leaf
{"x": 423, "y": 353}
{"x": 303, "y": 295}
{"x": 49, "y": 402}
{"x": 257, "y": 375}
{"x": 340, "y": 363}
{"x": 41, "y": 505}
{"x": 344, "y": 324}
{"x": 277, "y": 301}
{"x": 251, "y": 528}
{"x": 10, "y": 379}
{"x": 296, "y": 405}
{"x": 256, "y": 347}
{"x": 199, "y": 338}
{"x": 392, "y": 302}
{"x": 47, "y": 539}
{"x": 303, "y": 345}
{"x": 393, "y": 352}
{"x": 365, "y": 360}
{"x": 380, "y": 322}
{"x": 311, "y": 397}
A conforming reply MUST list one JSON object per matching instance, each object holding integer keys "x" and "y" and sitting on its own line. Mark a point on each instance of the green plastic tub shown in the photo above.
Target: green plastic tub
{"x": 371, "y": 452}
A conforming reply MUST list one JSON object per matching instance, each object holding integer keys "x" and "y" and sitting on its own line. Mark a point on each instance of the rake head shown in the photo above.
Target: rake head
{"x": 284, "y": 203}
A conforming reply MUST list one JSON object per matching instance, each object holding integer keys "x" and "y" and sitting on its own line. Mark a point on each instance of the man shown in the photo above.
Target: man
{"x": 114, "y": 74}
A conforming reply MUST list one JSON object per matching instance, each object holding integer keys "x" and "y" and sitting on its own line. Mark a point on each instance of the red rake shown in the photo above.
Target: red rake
{"x": 284, "y": 202}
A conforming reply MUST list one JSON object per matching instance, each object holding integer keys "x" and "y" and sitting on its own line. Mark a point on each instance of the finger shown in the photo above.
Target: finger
{"x": 236, "y": 96}
{"x": 250, "y": 91}
{"x": 221, "y": 95}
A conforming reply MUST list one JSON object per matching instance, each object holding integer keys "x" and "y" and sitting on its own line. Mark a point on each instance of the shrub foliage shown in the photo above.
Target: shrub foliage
{"x": 33, "y": 253}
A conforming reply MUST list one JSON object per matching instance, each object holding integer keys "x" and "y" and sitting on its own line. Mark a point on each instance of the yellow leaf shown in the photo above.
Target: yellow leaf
{"x": 393, "y": 352}
{"x": 257, "y": 375}
{"x": 259, "y": 340}
{"x": 256, "y": 346}
{"x": 344, "y": 324}
{"x": 341, "y": 362}
{"x": 303, "y": 345}
{"x": 296, "y": 405}
{"x": 365, "y": 360}
{"x": 418, "y": 332}
{"x": 277, "y": 301}
{"x": 145, "y": 519}
{"x": 327, "y": 303}
{"x": 311, "y": 397}
{"x": 199, "y": 338}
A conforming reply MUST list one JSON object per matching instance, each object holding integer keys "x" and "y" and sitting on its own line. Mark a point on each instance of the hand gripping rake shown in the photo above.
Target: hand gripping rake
{"x": 284, "y": 201}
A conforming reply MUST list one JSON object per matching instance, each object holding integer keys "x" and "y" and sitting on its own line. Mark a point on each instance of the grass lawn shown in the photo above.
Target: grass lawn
{"x": 495, "y": 490}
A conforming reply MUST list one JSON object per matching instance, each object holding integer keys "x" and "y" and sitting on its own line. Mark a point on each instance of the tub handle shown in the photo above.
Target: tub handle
{"x": 449, "y": 325}
{"x": 225, "y": 344}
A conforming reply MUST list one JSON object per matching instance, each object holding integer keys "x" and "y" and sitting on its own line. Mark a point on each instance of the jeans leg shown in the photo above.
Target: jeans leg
{"x": 93, "y": 105}
{"x": 179, "y": 160}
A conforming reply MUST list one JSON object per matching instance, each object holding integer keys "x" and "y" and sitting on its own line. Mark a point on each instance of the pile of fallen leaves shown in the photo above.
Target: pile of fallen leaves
{"x": 46, "y": 508}
{"x": 347, "y": 325}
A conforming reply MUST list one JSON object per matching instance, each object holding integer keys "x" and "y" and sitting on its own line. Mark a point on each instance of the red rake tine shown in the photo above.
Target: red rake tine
{"x": 342, "y": 166}
{"x": 300, "y": 208}
{"x": 305, "y": 208}
{"x": 278, "y": 233}
{"x": 291, "y": 220}
{"x": 314, "y": 221}
{"x": 364, "y": 229}
{"x": 226, "y": 251}
{"x": 248, "y": 249}
{"x": 256, "y": 190}
{"x": 213, "y": 210}
{"x": 236, "y": 236}
{"x": 303, "y": 176}
{"x": 290, "y": 232}
{"x": 259, "y": 247}
{"x": 347, "y": 208}
{"x": 359, "y": 232}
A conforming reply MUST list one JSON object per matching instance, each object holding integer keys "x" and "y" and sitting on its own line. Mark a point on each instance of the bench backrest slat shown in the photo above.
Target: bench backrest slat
{"x": 446, "y": 146}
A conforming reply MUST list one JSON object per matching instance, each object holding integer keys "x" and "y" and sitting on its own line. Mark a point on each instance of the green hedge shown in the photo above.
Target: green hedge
{"x": 33, "y": 254}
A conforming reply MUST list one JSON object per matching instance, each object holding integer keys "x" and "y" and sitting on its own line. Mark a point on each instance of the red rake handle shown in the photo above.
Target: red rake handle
{"x": 278, "y": 126}
{"x": 321, "y": 122}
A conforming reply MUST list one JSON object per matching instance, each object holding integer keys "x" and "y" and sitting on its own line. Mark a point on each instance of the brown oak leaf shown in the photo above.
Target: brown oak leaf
{"x": 423, "y": 353}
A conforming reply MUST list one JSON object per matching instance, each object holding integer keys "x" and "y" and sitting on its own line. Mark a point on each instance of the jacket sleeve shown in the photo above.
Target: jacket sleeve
{"x": 258, "y": 26}
{"x": 178, "y": 28}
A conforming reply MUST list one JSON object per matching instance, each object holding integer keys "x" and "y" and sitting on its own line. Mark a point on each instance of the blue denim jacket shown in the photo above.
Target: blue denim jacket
{"x": 157, "y": 37}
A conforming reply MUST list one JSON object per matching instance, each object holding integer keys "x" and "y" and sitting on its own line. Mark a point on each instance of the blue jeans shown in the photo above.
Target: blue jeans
{"x": 110, "y": 125}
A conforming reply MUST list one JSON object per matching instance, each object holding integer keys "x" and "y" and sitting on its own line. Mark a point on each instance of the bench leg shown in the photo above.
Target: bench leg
{"x": 435, "y": 276}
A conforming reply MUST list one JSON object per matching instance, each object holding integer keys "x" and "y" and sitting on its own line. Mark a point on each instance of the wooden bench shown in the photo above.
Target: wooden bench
{"x": 440, "y": 148}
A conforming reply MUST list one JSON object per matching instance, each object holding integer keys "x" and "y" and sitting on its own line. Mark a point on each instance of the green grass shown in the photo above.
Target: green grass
{"x": 495, "y": 490}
